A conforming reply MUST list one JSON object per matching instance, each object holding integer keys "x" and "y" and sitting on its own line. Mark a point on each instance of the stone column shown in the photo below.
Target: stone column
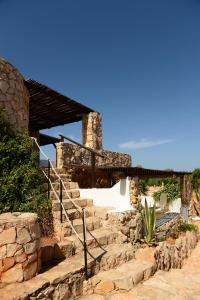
{"x": 92, "y": 130}
{"x": 135, "y": 190}
{"x": 14, "y": 96}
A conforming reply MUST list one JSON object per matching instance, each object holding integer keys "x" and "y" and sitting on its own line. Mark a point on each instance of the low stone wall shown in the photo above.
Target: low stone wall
{"x": 172, "y": 253}
{"x": 128, "y": 222}
{"x": 69, "y": 155}
{"x": 19, "y": 247}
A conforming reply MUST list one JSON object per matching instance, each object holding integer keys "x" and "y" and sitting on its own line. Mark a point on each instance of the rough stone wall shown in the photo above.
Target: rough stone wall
{"x": 72, "y": 155}
{"x": 92, "y": 130}
{"x": 172, "y": 254}
{"x": 14, "y": 97}
{"x": 19, "y": 247}
{"x": 129, "y": 223}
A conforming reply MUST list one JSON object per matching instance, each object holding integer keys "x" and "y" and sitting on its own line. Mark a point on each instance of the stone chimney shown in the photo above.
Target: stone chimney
{"x": 92, "y": 130}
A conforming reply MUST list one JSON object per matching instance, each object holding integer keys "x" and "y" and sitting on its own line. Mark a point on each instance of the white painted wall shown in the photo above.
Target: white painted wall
{"x": 175, "y": 206}
{"x": 117, "y": 197}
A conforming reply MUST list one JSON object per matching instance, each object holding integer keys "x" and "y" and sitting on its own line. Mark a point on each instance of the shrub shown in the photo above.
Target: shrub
{"x": 188, "y": 227}
{"x": 171, "y": 188}
{"x": 21, "y": 180}
{"x": 149, "y": 218}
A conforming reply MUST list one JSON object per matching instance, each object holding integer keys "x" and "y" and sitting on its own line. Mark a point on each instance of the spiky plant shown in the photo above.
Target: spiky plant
{"x": 149, "y": 217}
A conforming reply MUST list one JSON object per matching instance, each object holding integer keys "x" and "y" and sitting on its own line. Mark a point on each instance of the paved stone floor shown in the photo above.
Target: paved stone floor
{"x": 177, "y": 284}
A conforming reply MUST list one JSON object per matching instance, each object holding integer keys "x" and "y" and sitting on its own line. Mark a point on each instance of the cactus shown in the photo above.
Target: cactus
{"x": 149, "y": 216}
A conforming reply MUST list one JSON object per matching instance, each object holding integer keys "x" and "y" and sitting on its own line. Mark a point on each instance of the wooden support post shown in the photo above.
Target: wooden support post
{"x": 186, "y": 194}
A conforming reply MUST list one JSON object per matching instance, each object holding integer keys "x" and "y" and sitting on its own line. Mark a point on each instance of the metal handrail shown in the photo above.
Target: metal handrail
{"x": 66, "y": 215}
{"x": 81, "y": 145}
{"x": 52, "y": 166}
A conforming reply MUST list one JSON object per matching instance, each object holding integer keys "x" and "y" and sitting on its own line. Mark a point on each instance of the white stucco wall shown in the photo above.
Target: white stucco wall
{"x": 117, "y": 197}
{"x": 175, "y": 206}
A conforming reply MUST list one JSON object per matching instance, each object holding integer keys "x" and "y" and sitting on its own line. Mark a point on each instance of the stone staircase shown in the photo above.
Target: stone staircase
{"x": 99, "y": 234}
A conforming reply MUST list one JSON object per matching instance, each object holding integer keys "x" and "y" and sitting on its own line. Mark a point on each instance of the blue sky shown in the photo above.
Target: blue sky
{"x": 135, "y": 61}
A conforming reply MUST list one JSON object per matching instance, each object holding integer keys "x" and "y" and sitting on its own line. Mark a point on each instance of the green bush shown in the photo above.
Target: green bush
{"x": 171, "y": 188}
{"x": 188, "y": 227}
{"x": 196, "y": 183}
{"x": 21, "y": 180}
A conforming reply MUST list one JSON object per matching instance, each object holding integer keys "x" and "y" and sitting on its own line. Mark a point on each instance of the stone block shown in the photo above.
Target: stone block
{"x": 30, "y": 270}
{"x": 12, "y": 249}
{"x": 32, "y": 247}
{"x": 14, "y": 274}
{"x": 8, "y": 263}
{"x": 8, "y": 236}
{"x": 2, "y": 252}
{"x": 23, "y": 236}
{"x": 104, "y": 287}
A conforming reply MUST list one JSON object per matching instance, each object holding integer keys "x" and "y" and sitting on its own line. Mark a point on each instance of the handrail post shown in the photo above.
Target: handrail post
{"x": 61, "y": 196}
{"x": 49, "y": 170}
{"x": 84, "y": 243}
{"x": 93, "y": 162}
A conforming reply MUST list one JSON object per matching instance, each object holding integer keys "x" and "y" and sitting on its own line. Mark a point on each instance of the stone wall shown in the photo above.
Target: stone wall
{"x": 14, "y": 97}
{"x": 129, "y": 223}
{"x": 92, "y": 130}
{"x": 19, "y": 247}
{"x": 72, "y": 155}
{"x": 172, "y": 253}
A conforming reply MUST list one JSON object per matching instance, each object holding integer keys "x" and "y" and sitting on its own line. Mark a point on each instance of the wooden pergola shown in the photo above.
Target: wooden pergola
{"x": 142, "y": 173}
{"x": 48, "y": 108}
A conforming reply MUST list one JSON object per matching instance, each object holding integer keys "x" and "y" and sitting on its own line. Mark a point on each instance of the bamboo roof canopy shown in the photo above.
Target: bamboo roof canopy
{"x": 48, "y": 108}
{"x": 144, "y": 173}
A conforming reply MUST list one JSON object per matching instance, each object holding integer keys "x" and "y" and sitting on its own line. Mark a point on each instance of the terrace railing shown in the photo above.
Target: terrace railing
{"x": 93, "y": 154}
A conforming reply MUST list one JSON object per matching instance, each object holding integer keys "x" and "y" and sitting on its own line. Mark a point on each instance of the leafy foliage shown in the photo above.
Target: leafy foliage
{"x": 21, "y": 180}
{"x": 187, "y": 227}
{"x": 171, "y": 188}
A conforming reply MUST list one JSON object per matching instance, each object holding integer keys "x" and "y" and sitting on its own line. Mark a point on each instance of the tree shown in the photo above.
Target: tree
{"x": 21, "y": 180}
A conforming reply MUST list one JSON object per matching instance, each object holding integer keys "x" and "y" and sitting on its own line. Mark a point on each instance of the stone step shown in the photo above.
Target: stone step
{"x": 92, "y": 223}
{"x": 68, "y": 185}
{"x": 73, "y": 214}
{"x": 69, "y": 194}
{"x": 62, "y": 176}
{"x": 67, "y": 275}
{"x": 124, "y": 277}
{"x": 97, "y": 238}
{"x": 82, "y": 202}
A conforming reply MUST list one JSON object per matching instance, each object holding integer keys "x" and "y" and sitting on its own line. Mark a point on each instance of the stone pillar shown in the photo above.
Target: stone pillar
{"x": 14, "y": 96}
{"x": 20, "y": 255}
{"x": 135, "y": 190}
{"x": 92, "y": 130}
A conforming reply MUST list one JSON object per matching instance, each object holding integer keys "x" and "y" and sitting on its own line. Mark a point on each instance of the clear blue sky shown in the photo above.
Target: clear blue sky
{"x": 135, "y": 61}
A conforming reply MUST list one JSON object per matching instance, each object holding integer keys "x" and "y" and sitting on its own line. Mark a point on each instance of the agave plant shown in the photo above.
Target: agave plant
{"x": 149, "y": 216}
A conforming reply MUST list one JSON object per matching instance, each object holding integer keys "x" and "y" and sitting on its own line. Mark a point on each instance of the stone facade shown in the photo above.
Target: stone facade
{"x": 14, "y": 97}
{"x": 92, "y": 130}
{"x": 72, "y": 155}
{"x": 19, "y": 247}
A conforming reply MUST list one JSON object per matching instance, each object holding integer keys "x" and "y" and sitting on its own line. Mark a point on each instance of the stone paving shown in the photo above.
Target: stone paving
{"x": 179, "y": 284}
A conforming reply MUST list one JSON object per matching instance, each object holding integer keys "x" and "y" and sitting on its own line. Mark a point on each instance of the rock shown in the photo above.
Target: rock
{"x": 32, "y": 247}
{"x": 23, "y": 236}
{"x": 34, "y": 229}
{"x": 14, "y": 274}
{"x": 104, "y": 287}
{"x": 2, "y": 252}
{"x": 146, "y": 254}
{"x": 12, "y": 249}
{"x": 8, "y": 262}
{"x": 30, "y": 270}
{"x": 8, "y": 236}
{"x": 21, "y": 258}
